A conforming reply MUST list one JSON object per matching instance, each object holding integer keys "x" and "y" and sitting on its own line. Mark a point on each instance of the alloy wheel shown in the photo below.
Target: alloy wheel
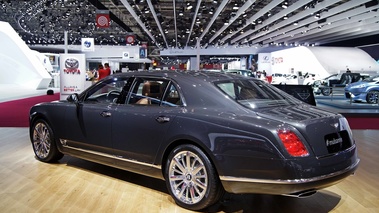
{"x": 41, "y": 140}
{"x": 188, "y": 177}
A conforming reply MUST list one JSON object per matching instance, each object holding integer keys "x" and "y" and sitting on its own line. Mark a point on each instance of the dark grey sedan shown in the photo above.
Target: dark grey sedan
{"x": 204, "y": 133}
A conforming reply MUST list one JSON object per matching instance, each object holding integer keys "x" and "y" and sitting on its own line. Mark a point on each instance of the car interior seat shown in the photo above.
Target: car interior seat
{"x": 245, "y": 94}
{"x": 151, "y": 90}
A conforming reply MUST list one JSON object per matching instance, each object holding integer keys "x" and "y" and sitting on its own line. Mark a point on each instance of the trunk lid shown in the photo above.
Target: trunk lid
{"x": 325, "y": 132}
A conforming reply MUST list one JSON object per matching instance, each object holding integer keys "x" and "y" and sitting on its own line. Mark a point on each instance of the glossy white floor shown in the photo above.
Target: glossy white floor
{"x": 75, "y": 185}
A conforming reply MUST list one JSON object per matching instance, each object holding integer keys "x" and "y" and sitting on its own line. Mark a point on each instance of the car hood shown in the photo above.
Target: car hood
{"x": 366, "y": 83}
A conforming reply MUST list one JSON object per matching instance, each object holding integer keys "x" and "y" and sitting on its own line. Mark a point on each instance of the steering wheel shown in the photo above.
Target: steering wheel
{"x": 109, "y": 94}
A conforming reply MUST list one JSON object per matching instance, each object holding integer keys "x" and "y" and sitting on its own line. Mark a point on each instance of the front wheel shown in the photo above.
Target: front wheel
{"x": 191, "y": 178}
{"x": 326, "y": 91}
{"x": 43, "y": 142}
{"x": 372, "y": 97}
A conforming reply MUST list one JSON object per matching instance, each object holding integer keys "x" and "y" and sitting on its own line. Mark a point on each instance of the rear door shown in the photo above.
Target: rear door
{"x": 139, "y": 128}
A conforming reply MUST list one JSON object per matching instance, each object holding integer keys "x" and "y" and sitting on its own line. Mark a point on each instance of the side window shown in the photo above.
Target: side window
{"x": 148, "y": 91}
{"x": 228, "y": 88}
{"x": 172, "y": 97}
{"x": 108, "y": 91}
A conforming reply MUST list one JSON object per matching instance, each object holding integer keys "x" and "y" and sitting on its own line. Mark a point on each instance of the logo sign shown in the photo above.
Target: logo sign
{"x": 71, "y": 66}
{"x": 142, "y": 52}
{"x": 130, "y": 39}
{"x": 102, "y": 18}
{"x": 125, "y": 55}
{"x": 276, "y": 60}
{"x": 264, "y": 58}
{"x": 88, "y": 44}
{"x": 72, "y": 77}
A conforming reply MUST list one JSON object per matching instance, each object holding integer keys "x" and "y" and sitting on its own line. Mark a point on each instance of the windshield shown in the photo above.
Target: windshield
{"x": 372, "y": 78}
{"x": 255, "y": 94}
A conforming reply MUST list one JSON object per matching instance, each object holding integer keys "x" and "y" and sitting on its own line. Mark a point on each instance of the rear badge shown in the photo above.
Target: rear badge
{"x": 334, "y": 141}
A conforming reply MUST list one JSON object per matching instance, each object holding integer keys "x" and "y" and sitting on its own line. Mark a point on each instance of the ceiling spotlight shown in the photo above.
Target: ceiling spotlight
{"x": 211, "y": 10}
{"x": 285, "y": 4}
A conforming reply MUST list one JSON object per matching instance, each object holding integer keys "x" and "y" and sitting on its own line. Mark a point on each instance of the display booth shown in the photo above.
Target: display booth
{"x": 19, "y": 64}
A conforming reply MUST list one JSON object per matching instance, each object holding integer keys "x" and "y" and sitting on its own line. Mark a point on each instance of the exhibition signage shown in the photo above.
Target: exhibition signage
{"x": 72, "y": 74}
{"x": 88, "y": 44}
{"x": 125, "y": 55}
{"x": 142, "y": 52}
{"x": 130, "y": 39}
{"x": 102, "y": 18}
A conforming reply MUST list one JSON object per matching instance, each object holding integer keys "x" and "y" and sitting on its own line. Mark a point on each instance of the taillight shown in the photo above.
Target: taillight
{"x": 292, "y": 143}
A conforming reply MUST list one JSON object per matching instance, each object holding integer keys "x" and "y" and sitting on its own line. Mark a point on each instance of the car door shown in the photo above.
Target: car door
{"x": 89, "y": 123}
{"x": 139, "y": 128}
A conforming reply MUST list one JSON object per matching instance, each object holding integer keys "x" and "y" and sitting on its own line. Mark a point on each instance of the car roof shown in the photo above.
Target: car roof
{"x": 196, "y": 86}
{"x": 184, "y": 75}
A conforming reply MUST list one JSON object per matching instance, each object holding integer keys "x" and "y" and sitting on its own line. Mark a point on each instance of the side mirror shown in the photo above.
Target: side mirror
{"x": 73, "y": 98}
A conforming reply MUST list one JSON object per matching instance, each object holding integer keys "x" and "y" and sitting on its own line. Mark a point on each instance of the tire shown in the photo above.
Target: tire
{"x": 191, "y": 178}
{"x": 43, "y": 142}
{"x": 372, "y": 97}
{"x": 326, "y": 91}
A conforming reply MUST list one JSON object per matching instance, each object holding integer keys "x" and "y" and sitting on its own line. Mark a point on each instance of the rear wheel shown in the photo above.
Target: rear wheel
{"x": 372, "y": 97}
{"x": 43, "y": 142}
{"x": 191, "y": 178}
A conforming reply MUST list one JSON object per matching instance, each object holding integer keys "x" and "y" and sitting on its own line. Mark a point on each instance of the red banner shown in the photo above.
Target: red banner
{"x": 144, "y": 45}
{"x": 102, "y": 18}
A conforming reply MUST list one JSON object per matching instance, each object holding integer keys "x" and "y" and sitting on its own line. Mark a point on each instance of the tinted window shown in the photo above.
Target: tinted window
{"x": 254, "y": 94}
{"x": 172, "y": 97}
{"x": 107, "y": 91}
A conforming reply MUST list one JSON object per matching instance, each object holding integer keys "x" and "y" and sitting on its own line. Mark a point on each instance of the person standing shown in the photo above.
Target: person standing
{"x": 102, "y": 72}
{"x": 106, "y": 66}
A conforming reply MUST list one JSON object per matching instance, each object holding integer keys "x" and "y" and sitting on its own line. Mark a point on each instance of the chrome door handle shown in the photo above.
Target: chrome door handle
{"x": 162, "y": 119}
{"x": 106, "y": 114}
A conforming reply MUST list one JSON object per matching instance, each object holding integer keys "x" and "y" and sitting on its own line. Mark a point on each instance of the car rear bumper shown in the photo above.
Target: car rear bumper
{"x": 285, "y": 187}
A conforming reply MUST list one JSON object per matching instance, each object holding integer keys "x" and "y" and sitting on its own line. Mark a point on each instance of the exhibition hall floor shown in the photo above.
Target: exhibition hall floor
{"x": 74, "y": 185}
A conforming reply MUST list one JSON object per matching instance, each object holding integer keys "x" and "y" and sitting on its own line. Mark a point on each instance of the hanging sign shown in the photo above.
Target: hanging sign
{"x": 130, "y": 39}
{"x": 142, "y": 52}
{"x": 102, "y": 18}
{"x": 88, "y": 45}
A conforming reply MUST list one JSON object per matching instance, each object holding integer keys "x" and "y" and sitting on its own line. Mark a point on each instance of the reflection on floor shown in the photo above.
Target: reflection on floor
{"x": 74, "y": 185}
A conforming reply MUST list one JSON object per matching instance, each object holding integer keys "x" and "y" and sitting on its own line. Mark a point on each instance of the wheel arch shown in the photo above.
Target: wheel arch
{"x": 182, "y": 141}
{"x": 33, "y": 118}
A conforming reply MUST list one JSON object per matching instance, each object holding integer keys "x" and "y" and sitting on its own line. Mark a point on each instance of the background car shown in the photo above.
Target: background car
{"x": 204, "y": 133}
{"x": 247, "y": 73}
{"x": 365, "y": 90}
